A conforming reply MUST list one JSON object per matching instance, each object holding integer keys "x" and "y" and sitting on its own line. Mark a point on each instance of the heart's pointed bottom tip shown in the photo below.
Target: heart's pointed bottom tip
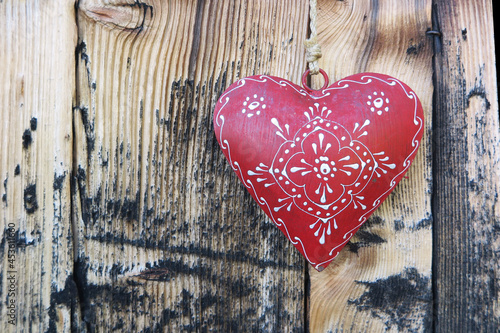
{"x": 319, "y": 268}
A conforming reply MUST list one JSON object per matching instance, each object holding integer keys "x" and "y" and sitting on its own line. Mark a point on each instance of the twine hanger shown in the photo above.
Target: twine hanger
{"x": 313, "y": 50}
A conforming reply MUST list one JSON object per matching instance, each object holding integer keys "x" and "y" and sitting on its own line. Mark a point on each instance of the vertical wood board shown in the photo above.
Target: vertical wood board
{"x": 37, "y": 84}
{"x": 381, "y": 281}
{"x": 467, "y": 169}
{"x": 168, "y": 238}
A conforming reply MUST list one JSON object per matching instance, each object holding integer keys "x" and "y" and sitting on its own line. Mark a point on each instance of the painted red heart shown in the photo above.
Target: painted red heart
{"x": 319, "y": 162}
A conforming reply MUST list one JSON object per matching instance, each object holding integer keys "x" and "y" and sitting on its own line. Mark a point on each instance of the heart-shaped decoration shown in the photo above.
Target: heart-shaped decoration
{"x": 319, "y": 162}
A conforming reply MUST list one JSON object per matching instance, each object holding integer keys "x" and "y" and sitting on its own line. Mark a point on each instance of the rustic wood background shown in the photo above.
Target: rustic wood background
{"x": 120, "y": 213}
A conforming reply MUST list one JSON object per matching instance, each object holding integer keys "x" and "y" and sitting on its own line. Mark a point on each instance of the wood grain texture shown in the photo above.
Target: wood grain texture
{"x": 168, "y": 238}
{"x": 467, "y": 169}
{"x": 381, "y": 281}
{"x": 37, "y": 84}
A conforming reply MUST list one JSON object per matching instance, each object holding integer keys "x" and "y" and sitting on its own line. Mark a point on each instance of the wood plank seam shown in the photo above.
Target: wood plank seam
{"x": 436, "y": 38}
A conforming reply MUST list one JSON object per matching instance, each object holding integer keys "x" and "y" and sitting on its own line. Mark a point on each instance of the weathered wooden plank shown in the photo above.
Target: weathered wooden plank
{"x": 168, "y": 239}
{"x": 467, "y": 169}
{"x": 37, "y": 75}
{"x": 382, "y": 279}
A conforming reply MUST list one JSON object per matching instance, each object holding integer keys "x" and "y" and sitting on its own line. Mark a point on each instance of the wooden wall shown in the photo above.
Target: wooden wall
{"x": 120, "y": 213}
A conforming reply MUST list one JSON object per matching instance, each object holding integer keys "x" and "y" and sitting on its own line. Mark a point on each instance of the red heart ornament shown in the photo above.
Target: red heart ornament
{"x": 319, "y": 162}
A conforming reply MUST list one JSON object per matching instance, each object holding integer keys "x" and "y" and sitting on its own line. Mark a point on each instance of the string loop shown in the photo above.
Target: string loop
{"x": 313, "y": 50}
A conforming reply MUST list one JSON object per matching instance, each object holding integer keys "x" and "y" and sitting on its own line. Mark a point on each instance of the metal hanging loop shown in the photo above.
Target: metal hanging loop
{"x": 309, "y": 89}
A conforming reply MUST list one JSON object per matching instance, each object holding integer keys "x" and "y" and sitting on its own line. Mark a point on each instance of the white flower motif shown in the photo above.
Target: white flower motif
{"x": 322, "y": 168}
{"x": 378, "y": 102}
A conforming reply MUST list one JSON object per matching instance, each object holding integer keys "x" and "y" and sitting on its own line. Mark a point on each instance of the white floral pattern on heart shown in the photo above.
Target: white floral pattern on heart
{"x": 253, "y": 106}
{"x": 306, "y": 164}
{"x": 321, "y": 157}
{"x": 377, "y": 102}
